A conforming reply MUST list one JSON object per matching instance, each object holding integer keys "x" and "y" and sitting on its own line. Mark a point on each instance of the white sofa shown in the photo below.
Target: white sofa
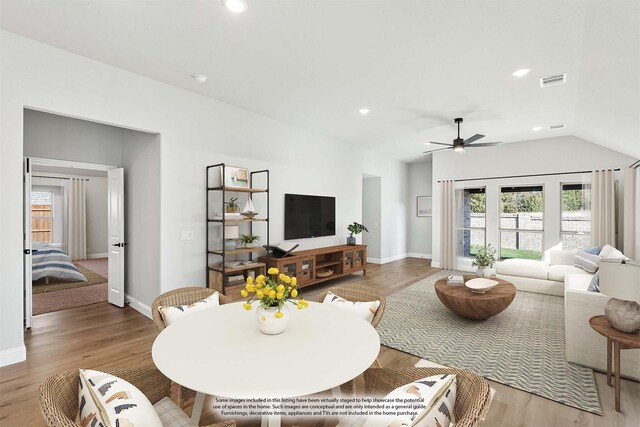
{"x": 584, "y": 345}
{"x": 539, "y": 276}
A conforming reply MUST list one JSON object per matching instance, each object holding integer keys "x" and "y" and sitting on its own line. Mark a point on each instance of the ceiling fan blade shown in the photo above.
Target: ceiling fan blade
{"x": 441, "y": 143}
{"x": 475, "y": 137}
{"x": 433, "y": 151}
{"x": 484, "y": 144}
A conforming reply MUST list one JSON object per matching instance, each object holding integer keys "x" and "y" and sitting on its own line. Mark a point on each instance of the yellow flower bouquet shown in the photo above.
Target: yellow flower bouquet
{"x": 273, "y": 292}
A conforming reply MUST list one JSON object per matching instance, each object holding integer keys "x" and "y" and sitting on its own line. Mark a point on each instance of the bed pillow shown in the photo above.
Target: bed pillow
{"x": 119, "y": 402}
{"x": 366, "y": 310}
{"x": 586, "y": 261}
{"x": 437, "y": 395}
{"x": 172, "y": 313}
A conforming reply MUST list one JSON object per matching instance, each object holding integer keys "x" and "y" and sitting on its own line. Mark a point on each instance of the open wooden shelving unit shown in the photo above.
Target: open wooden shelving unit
{"x": 217, "y": 274}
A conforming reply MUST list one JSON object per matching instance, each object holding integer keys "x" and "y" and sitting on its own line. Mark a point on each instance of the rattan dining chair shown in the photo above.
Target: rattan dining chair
{"x": 358, "y": 293}
{"x": 473, "y": 394}
{"x": 181, "y": 296}
{"x": 58, "y": 394}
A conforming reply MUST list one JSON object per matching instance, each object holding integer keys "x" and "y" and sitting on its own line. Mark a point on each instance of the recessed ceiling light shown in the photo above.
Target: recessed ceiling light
{"x": 364, "y": 111}
{"x": 200, "y": 78}
{"x": 521, "y": 72}
{"x": 427, "y": 143}
{"x": 536, "y": 128}
{"x": 236, "y": 6}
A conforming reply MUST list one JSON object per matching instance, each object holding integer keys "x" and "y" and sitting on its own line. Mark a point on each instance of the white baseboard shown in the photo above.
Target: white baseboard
{"x": 386, "y": 260}
{"x": 138, "y": 306}
{"x": 13, "y": 355}
{"x": 96, "y": 256}
{"x": 418, "y": 255}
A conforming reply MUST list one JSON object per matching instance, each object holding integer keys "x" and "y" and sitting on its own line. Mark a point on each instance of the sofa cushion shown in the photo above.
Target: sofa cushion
{"x": 578, "y": 282}
{"x": 594, "y": 285}
{"x": 523, "y": 268}
{"x": 586, "y": 261}
{"x": 558, "y": 272}
{"x": 561, "y": 257}
{"x": 593, "y": 250}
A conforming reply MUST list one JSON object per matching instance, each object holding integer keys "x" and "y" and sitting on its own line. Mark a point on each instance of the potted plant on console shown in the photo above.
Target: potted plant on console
{"x": 354, "y": 228}
{"x": 485, "y": 260}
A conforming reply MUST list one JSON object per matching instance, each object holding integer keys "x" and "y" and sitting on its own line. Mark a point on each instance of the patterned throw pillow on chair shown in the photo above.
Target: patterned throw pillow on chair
{"x": 437, "y": 399}
{"x": 118, "y": 402}
{"x": 172, "y": 313}
{"x": 366, "y": 310}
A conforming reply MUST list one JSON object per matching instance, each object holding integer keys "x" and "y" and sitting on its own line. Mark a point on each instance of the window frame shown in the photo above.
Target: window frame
{"x": 50, "y": 218}
{"x": 470, "y": 228}
{"x": 517, "y": 230}
{"x": 575, "y": 233}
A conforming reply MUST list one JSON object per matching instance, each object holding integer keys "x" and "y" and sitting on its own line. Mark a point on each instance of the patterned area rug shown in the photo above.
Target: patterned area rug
{"x": 522, "y": 347}
{"x": 93, "y": 278}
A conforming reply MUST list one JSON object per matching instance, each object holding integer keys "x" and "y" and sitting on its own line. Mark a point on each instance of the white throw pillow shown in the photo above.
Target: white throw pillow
{"x": 437, "y": 396}
{"x": 90, "y": 414}
{"x": 172, "y": 313}
{"x": 120, "y": 402}
{"x": 609, "y": 252}
{"x": 366, "y": 310}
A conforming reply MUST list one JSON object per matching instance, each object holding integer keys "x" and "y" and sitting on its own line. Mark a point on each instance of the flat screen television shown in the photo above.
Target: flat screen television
{"x": 309, "y": 216}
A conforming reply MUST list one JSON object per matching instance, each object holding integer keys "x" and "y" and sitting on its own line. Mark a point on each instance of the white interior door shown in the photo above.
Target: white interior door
{"x": 28, "y": 296}
{"x": 117, "y": 244}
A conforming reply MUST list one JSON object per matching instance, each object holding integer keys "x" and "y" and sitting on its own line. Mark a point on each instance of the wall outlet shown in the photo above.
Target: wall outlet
{"x": 186, "y": 235}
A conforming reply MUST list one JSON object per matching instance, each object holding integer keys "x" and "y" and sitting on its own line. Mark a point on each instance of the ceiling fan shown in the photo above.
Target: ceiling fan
{"x": 460, "y": 144}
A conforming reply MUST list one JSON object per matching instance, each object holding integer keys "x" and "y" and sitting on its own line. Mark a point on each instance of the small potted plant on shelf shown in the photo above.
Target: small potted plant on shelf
{"x": 485, "y": 259}
{"x": 232, "y": 205}
{"x": 272, "y": 291}
{"x": 354, "y": 228}
{"x": 248, "y": 240}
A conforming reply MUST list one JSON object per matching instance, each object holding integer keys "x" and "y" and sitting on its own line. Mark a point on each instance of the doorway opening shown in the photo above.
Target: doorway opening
{"x": 64, "y": 153}
{"x": 372, "y": 216}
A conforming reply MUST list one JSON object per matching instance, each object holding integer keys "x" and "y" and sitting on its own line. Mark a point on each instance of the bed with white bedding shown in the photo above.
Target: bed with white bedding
{"x": 49, "y": 262}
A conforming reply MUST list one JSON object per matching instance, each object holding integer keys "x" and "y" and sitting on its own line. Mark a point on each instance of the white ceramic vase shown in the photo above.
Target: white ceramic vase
{"x": 483, "y": 272}
{"x": 268, "y": 323}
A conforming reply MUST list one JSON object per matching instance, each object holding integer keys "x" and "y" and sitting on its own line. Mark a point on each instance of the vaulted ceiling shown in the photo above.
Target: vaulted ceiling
{"x": 415, "y": 64}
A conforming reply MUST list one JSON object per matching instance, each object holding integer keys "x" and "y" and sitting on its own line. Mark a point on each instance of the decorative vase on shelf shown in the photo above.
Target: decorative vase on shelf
{"x": 351, "y": 241}
{"x": 269, "y": 323}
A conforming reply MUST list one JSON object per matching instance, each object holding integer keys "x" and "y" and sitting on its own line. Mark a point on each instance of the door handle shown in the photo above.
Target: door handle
{"x": 119, "y": 245}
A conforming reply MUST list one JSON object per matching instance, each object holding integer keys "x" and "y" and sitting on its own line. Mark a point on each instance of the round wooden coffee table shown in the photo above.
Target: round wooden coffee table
{"x": 465, "y": 303}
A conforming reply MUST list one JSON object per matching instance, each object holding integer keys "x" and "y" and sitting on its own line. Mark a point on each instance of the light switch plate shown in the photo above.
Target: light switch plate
{"x": 186, "y": 235}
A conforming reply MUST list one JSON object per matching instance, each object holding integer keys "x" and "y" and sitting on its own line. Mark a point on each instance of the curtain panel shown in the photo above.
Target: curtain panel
{"x": 603, "y": 212}
{"x": 448, "y": 225}
{"x": 630, "y": 206}
{"x": 77, "y": 233}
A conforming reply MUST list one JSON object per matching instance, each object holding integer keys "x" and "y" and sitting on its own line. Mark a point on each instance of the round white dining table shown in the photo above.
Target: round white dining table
{"x": 221, "y": 352}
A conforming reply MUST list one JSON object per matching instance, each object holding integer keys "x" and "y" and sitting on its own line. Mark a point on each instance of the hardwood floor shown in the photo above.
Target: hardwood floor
{"x": 100, "y": 335}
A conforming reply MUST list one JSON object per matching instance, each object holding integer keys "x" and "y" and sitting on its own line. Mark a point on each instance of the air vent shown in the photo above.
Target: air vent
{"x": 556, "y": 79}
{"x": 560, "y": 126}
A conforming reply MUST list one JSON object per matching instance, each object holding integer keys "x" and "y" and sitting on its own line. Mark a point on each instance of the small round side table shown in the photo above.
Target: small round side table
{"x": 620, "y": 341}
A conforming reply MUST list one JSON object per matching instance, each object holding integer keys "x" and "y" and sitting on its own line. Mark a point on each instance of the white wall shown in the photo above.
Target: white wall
{"x": 418, "y": 228}
{"x": 372, "y": 216}
{"x": 96, "y": 194}
{"x": 51, "y": 136}
{"x": 141, "y": 162}
{"x": 553, "y": 155}
{"x": 194, "y": 131}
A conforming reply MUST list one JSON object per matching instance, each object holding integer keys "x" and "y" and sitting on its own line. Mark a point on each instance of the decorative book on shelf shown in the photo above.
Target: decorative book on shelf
{"x": 281, "y": 250}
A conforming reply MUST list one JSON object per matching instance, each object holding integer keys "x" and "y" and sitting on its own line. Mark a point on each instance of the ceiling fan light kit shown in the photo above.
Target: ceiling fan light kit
{"x": 459, "y": 144}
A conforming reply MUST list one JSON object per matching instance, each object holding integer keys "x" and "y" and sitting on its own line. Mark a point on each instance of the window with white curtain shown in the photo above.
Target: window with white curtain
{"x": 471, "y": 222}
{"x": 575, "y": 228}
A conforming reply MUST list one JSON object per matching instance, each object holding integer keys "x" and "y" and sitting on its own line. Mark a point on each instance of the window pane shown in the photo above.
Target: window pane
{"x": 576, "y": 208}
{"x": 521, "y": 208}
{"x": 575, "y": 241}
{"x": 41, "y": 213}
{"x": 471, "y": 207}
{"x": 521, "y": 244}
{"x": 469, "y": 241}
